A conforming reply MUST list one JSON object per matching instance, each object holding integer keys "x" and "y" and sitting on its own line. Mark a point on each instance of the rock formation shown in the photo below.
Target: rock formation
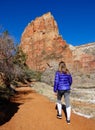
{"x": 84, "y": 65}
{"x": 45, "y": 48}
{"x": 84, "y": 57}
{"x": 43, "y": 44}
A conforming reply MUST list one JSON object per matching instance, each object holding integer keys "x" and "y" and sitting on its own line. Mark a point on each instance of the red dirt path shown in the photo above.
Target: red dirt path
{"x": 38, "y": 113}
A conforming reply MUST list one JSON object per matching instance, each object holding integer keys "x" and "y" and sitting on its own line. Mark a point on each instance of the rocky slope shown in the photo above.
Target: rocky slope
{"x": 84, "y": 57}
{"x": 84, "y": 65}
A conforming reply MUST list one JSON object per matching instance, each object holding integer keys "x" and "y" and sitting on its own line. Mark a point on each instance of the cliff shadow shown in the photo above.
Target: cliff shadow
{"x": 7, "y": 110}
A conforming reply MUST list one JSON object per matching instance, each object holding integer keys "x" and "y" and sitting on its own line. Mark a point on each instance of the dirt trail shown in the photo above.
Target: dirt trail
{"x": 36, "y": 112}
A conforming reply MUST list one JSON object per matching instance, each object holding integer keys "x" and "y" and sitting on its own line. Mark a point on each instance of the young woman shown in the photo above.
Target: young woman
{"x": 62, "y": 83}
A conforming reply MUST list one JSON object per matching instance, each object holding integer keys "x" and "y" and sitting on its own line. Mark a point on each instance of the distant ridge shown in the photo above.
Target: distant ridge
{"x": 85, "y": 45}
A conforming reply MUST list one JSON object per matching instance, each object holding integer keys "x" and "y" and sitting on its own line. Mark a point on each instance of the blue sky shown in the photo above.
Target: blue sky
{"x": 75, "y": 18}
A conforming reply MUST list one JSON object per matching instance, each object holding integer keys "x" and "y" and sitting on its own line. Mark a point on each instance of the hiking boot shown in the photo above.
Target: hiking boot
{"x": 59, "y": 116}
{"x": 68, "y": 121}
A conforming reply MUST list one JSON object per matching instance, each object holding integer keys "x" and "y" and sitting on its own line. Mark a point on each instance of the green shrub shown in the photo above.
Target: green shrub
{"x": 32, "y": 75}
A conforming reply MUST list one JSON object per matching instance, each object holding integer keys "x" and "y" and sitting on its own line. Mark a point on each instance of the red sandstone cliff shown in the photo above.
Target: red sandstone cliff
{"x": 43, "y": 44}
{"x": 44, "y": 47}
{"x": 84, "y": 58}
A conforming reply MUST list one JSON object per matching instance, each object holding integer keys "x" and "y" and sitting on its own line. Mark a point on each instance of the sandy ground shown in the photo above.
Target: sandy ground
{"x": 36, "y": 112}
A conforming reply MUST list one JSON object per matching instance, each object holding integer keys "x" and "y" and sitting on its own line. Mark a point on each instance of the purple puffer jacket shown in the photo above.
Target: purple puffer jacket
{"x": 62, "y": 81}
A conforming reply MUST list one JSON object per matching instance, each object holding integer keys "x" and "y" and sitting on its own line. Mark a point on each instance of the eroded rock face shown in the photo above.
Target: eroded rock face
{"x": 84, "y": 57}
{"x": 45, "y": 48}
{"x": 43, "y": 44}
{"x": 84, "y": 66}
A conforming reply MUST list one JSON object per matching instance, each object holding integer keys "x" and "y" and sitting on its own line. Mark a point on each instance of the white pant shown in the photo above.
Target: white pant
{"x": 68, "y": 110}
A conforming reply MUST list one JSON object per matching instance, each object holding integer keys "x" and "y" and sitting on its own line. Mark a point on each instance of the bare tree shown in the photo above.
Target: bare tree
{"x": 7, "y": 52}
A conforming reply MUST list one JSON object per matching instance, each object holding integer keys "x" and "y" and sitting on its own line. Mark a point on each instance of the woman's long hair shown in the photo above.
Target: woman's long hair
{"x": 62, "y": 68}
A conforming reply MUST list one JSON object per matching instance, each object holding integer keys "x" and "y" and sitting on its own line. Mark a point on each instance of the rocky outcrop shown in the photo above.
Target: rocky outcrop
{"x": 43, "y": 44}
{"x": 84, "y": 57}
{"x": 84, "y": 65}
